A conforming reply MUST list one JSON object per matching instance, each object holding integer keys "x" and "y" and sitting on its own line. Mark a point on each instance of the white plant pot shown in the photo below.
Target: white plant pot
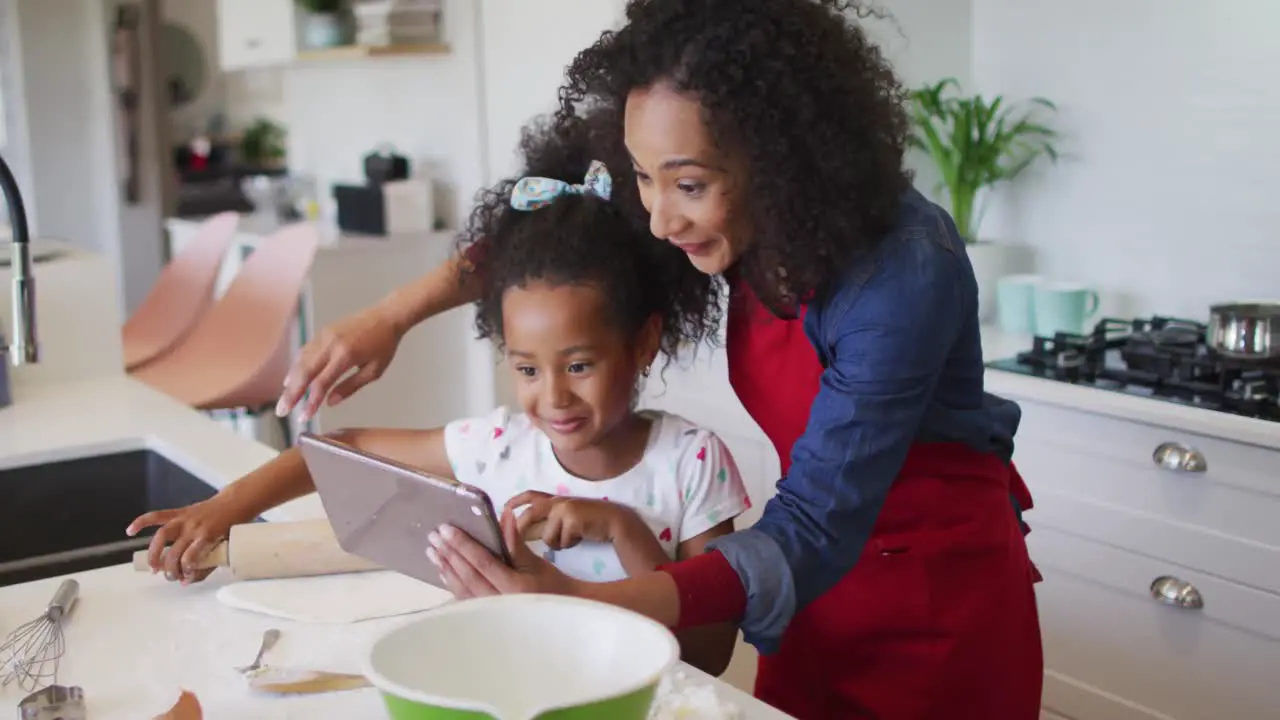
{"x": 990, "y": 263}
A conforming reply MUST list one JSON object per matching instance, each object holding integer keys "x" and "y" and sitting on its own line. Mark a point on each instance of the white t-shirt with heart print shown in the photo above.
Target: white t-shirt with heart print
{"x": 685, "y": 484}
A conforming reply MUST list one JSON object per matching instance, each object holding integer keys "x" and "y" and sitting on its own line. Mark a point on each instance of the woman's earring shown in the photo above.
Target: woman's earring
{"x": 645, "y": 372}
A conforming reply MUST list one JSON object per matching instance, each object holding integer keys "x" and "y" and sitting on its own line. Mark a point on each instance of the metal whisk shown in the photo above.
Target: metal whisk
{"x": 30, "y": 654}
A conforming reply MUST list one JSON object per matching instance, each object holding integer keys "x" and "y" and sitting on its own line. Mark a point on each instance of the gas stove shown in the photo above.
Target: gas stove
{"x": 1161, "y": 358}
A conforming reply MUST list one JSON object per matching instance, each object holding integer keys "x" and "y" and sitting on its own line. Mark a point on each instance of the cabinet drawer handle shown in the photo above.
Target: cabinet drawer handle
{"x": 1180, "y": 458}
{"x": 1178, "y": 593}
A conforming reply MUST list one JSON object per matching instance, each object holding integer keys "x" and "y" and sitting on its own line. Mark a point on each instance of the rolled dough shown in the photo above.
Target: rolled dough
{"x": 345, "y": 598}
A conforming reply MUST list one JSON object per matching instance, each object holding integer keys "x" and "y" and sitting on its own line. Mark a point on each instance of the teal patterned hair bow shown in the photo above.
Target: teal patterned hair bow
{"x": 532, "y": 193}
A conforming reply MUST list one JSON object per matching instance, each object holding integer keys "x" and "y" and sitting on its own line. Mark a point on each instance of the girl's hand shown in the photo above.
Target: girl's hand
{"x": 190, "y": 532}
{"x": 470, "y": 570}
{"x": 571, "y": 520}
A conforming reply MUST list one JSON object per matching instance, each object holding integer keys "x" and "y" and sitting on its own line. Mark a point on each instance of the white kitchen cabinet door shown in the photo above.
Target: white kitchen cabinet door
{"x": 1113, "y": 652}
{"x": 256, "y": 33}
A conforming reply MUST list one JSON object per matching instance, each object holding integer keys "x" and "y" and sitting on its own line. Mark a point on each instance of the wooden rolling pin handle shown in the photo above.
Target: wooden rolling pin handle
{"x": 215, "y": 558}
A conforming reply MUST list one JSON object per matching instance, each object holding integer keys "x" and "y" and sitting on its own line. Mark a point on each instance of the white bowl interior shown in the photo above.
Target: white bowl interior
{"x": 517, "y": 655}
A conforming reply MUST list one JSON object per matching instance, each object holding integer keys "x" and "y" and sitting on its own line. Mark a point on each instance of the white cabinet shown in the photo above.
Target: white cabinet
{"x": 1108, "y": 521}
{"x": 256, "y": 33}
{"x": 1114, "y": 652}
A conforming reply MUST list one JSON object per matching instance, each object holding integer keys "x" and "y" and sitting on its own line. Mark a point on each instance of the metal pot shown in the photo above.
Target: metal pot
{"x": 1245, "y": 330}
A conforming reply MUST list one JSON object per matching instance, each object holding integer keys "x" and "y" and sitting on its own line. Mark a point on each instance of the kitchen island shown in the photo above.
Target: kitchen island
{"x": 134, "y": 640}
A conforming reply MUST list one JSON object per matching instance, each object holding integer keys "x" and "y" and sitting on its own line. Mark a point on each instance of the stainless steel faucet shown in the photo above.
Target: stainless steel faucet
{"x": 23, "y": 348}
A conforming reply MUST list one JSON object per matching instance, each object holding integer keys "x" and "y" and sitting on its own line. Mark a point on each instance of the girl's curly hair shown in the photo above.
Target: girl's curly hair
{"x": 793, "y": 86}
{"x": 582, "y": 239}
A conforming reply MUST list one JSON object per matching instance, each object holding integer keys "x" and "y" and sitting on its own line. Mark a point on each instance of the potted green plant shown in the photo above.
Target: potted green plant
{"x": 323, "y": 25}
{"x": 977, "y": 144}
{"x": 262, "y": 145}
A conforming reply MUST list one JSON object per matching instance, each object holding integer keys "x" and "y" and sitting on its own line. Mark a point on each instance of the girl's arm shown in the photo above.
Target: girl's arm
{"x": 638, "y": 549}
{"x": 286, "y": 477}
{"x": 189, "y": 531}
{"x": 709, "y": 647}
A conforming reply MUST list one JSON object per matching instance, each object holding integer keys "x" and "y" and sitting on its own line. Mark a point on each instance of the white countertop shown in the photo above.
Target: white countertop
{"x": 134, "y": 640}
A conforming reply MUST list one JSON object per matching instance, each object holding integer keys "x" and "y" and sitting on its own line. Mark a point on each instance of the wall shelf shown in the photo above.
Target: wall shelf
{"x": 351, "y": 52}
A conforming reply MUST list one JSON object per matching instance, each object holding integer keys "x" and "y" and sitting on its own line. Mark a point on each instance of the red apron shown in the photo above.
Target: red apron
{"x": 938, "y": 617}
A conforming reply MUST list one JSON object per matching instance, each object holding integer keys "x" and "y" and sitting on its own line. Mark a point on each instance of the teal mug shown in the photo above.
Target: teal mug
{"x": 1015, "y": 302}
{"x": 1063, "y": 307}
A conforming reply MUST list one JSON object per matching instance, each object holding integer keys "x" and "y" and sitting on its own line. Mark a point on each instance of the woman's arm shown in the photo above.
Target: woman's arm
{"x": 446, "y": 287}
{"x": 366, "y": 341}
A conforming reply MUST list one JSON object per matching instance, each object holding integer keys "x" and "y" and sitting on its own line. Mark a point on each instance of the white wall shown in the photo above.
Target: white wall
{"x": 430, "y": 108}
{"x": 1168, "y": 202}
{"x": 523, "y": 73}
{"x": 63, "y": 139}
{"x": 337, "y": 111}
{"x": 141, "y": 222}
{"x": 460, "y": 114}
{"x": 925, "y": 40}
{"x": 62, "y": 51}
{"x": 200, "y": 18}
{"x": 13, "y": 114}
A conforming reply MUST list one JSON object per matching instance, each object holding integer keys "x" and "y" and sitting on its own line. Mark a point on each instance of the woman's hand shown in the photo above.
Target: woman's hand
{"x": 571, "y": 520}
{"x": 365, "y": 341}
{"x": 470, "y": 570}
{"x": 190, "y": 532}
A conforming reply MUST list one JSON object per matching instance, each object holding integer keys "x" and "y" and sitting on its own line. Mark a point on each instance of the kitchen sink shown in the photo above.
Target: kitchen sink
{"x": 70, "y": 515}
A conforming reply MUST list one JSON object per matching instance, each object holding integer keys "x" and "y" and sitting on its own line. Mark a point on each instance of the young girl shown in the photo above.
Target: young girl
{"x": 572, "y": 293}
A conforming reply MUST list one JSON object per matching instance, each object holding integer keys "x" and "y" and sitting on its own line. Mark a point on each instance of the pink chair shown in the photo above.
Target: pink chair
{"x": 237, "y": 356}
{"x": 180, "y": 296}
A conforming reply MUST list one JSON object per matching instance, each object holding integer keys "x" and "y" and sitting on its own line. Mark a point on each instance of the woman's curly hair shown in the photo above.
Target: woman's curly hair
{"x": 796, "y": 88}
{"x": 581, "y": 239}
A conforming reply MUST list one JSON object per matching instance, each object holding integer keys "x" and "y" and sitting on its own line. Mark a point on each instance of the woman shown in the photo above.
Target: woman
{"x": 889, "y": 578}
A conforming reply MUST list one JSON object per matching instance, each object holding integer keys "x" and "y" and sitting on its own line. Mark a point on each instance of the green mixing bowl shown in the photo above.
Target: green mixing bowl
{"x": 521, "y": 657}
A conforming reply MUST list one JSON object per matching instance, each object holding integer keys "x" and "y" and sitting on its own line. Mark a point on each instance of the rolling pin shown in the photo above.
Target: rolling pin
{"x": 262, "y": 550}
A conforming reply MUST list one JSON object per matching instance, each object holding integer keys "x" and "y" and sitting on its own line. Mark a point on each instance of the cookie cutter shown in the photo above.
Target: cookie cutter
{"x": 55, "y": 702}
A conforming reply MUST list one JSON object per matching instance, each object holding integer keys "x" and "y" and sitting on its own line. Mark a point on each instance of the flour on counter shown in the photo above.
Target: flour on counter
{"x": 680, "y": 699}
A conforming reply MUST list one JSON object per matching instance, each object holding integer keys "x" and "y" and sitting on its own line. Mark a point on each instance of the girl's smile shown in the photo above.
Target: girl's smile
{"x": 576, "y": 374}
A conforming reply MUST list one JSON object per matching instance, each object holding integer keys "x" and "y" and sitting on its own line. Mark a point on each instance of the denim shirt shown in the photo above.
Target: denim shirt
{"x": 899, "y": 340}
